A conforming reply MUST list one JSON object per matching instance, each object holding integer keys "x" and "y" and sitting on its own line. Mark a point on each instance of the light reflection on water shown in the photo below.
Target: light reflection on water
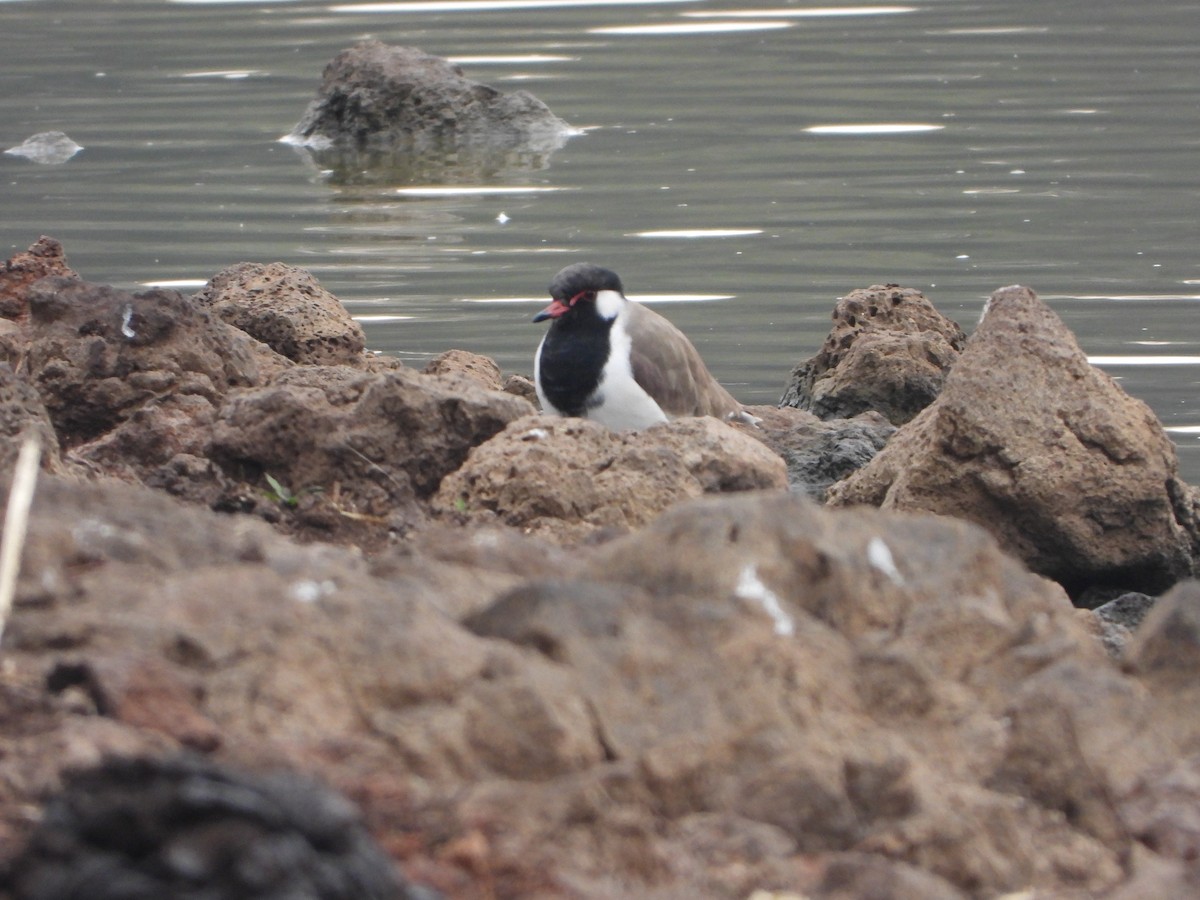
{"x": 949, "y": 147}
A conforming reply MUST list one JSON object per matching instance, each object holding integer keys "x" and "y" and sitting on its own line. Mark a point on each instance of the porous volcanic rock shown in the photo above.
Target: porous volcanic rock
{"x": 818, "y": 452}
{"x": 373, "y": 445}
{"x": 750, "y": 692}
{"x": 400, "y": 110}
{"x": 568, "y": 478}
{"x": 1070, "y": 473}
{"x": 44, "y": 258}
{"x": 286, "y": 308}
{"x": 474, "y": 367}
{"x": 99, "y": 354}
{"x": 889, "y": 351}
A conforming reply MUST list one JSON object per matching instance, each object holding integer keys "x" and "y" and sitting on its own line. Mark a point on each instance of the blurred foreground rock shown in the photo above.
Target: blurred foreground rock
{"x": 176, "y": 827}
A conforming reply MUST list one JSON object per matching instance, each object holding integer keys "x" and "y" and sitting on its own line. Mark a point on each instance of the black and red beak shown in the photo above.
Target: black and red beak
{"x": 553, "y": 311}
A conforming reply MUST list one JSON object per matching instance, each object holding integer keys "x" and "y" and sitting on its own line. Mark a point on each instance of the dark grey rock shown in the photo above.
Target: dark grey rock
{"x": 1120, "y": 617}
{"x": 398, "y": 113}
{"x": 144, "y": 829}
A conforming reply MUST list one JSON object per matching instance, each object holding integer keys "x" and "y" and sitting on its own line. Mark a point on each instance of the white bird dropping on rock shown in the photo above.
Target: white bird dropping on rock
{"x": 750, "y": 587}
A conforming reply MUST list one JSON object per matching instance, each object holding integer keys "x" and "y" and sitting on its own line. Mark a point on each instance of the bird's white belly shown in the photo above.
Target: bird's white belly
{"x": 623, "y": 404}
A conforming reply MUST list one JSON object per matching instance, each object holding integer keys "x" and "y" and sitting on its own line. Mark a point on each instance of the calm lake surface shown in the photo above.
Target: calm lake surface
{"x": 732, "y": 158}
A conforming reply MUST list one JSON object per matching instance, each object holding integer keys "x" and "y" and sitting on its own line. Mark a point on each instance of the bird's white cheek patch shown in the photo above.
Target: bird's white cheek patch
{"x": 609, "y": 304}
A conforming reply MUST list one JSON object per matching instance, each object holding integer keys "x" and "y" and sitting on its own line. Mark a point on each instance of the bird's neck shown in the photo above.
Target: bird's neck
{"x": 572, "y": 360}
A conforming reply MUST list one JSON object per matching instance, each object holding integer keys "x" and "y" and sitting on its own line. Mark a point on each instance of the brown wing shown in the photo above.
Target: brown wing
{"x": 670, "y": 369}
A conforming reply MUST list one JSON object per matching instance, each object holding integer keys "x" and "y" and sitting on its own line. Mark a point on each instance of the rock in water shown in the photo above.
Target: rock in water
{"x": 50, "y": 148}
{"x": 1070, "y": 473}
{"x": 401, "y": 111}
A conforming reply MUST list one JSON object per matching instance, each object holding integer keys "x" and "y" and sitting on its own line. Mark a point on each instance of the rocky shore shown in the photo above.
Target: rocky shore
{"x": 545, "y": 660}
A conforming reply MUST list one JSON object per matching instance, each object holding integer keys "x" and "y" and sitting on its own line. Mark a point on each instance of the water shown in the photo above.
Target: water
{"x": 739, "y": 171}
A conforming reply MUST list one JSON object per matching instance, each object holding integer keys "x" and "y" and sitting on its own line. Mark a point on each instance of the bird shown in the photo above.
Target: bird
{"x": 617, "y": 362}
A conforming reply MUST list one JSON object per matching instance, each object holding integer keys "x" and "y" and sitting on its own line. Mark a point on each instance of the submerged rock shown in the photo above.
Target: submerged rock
{"x": 386, "y": 112}
{"x": 50, "y": 148}
{"x": 1070, "y": 473}
{"x": 889, "y": 351}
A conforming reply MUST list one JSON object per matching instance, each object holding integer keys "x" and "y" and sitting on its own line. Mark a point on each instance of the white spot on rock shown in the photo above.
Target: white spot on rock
{"x": 310, "y": 591}
{"x": 750, "y": 587}
{"x": 879, "y": 555}
{"x": 126, "y": 318}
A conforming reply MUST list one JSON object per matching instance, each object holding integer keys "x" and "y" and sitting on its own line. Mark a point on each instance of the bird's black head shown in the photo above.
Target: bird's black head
{"x": 577, "y": 284}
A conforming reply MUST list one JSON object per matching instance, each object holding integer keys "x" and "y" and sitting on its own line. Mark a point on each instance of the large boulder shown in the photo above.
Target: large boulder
{"x": 286, "y": 308}
{"x": 400, "y": 112}
{"x": 566, "y": 479}
{"x": 749, "y": 693}
{"x": 889, "y": 351}
{"x": 1070, "y": 473}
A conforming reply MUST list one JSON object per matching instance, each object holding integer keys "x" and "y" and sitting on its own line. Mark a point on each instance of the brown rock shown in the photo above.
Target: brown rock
{"x": 749, "y": 693}
{"x": 1163, "y": 811}
{"x": 1164, "y": 655}
{"x": 1168, "y": 639}
{"x": 475, "y": 368}
{"x": 99, "y": 354}
{"x": 1070, "y": 473}
{"x": 523, "y": 387}
{"x": 567, "y": 478}
{"x": 753, "y": 627}
{"x": 889, "y": 350}
{"x": 44, "y": 258}
{"x": 286, "y": 308}
{"x": 372, "y": 445}
{"x": 145, "y": 693}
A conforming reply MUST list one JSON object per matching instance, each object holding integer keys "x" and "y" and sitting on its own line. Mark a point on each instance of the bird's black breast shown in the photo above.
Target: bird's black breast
{"x": 572, "y": 363}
